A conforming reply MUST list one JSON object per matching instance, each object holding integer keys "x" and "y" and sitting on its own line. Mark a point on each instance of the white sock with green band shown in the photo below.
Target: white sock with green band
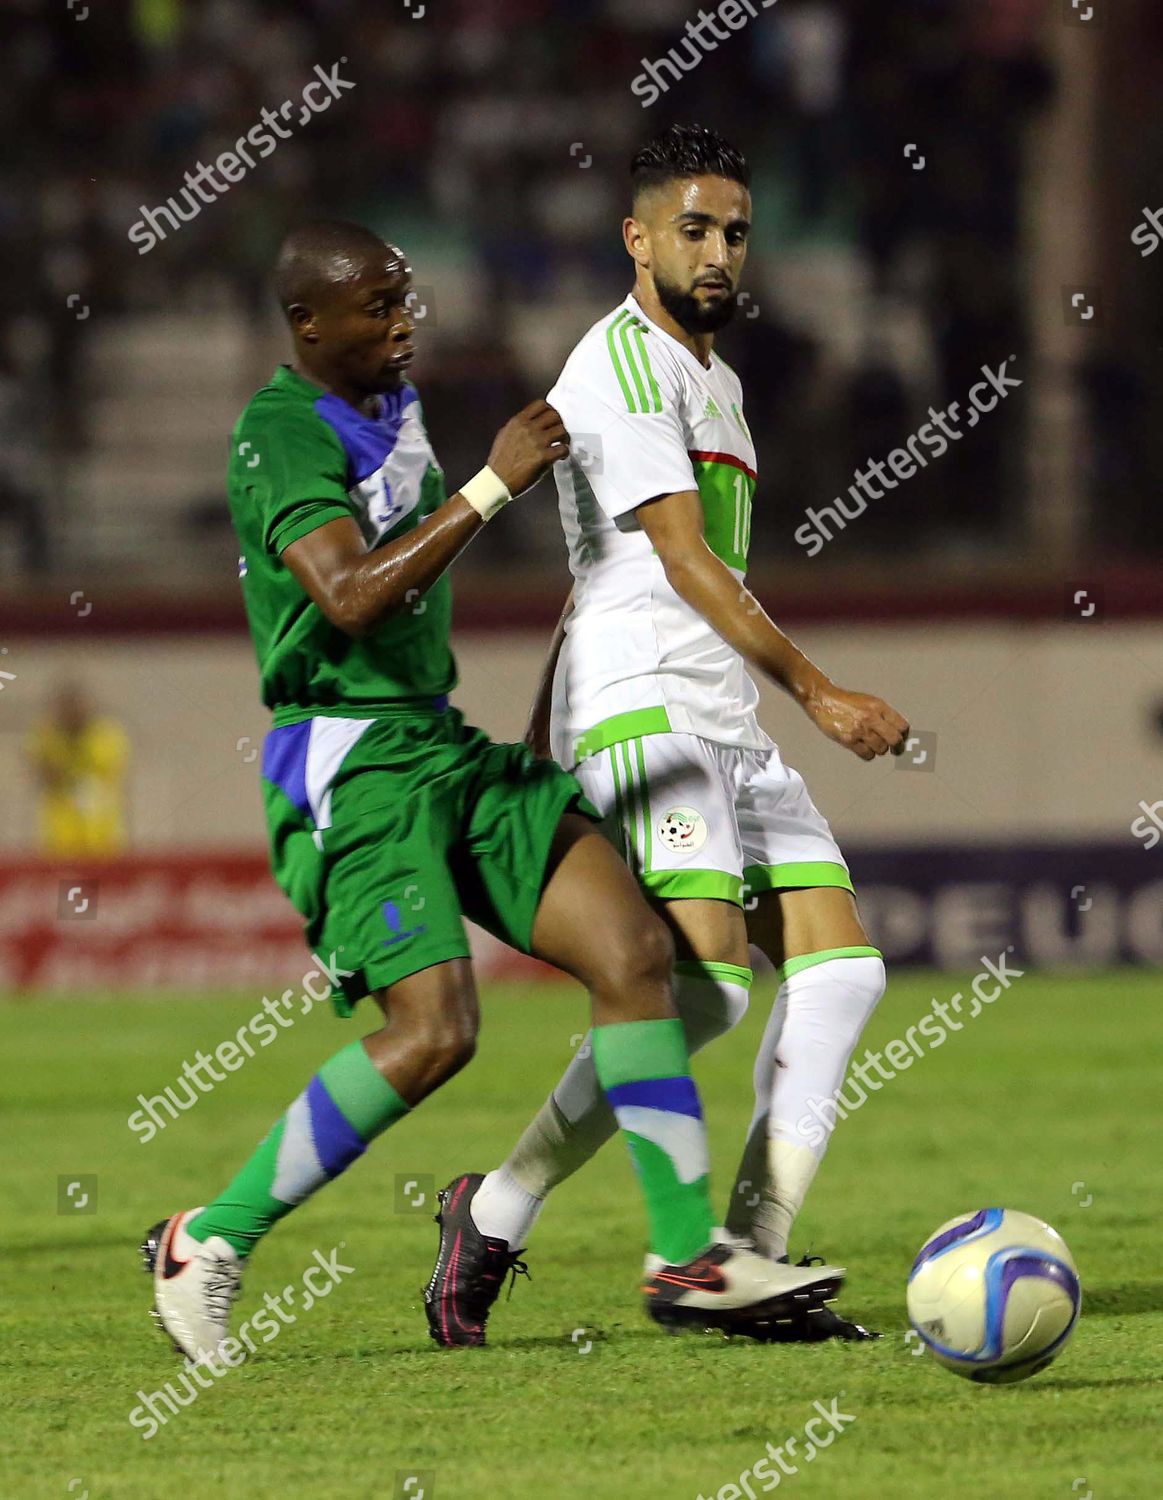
{"x": 711, "y": 998}
{"x": 828, "y": 998}
{"x": 576, "y": 1121}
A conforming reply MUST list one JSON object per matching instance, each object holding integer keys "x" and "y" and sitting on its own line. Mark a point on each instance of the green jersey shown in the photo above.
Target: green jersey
{"x": 301, "y": 457}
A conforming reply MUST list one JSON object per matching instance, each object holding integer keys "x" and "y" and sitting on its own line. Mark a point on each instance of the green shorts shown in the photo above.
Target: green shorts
{"x": 387, "y": 833}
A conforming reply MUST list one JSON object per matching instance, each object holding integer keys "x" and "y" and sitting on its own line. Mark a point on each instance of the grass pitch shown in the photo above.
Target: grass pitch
{"x": 1047, "y": 1102}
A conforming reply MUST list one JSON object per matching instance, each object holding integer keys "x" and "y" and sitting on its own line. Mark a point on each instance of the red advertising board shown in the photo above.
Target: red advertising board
{"x": 165, "y": 922}
{"x": 218, "y": 921}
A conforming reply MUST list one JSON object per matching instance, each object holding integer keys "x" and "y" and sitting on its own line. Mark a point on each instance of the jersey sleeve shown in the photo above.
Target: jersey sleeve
{"x": 621, "y": 405}
{"x": 294, "y": 470}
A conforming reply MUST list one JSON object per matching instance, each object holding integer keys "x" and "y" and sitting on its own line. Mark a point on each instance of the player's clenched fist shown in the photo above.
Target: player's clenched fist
{"x": 527, "y": 445}
{"x": 864, "y": 724}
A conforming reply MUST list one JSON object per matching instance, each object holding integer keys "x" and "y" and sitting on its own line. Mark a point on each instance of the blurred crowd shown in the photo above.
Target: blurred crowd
{"x": 491, "y": 138}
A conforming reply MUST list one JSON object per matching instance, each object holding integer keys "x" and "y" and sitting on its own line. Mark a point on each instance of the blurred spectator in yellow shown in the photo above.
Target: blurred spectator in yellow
{"x": 78, "y": 759}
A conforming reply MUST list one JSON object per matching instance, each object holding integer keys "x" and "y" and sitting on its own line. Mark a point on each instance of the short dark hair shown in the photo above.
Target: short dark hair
{"x": 686, "y": 151}
{"x": 322, "y": 254}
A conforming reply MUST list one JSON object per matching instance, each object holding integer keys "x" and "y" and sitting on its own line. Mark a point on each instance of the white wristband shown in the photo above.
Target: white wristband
{"x": 486, "y": 492}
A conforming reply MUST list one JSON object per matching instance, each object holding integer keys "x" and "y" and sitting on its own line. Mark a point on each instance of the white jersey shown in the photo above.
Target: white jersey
{"x": 646, "y": 419}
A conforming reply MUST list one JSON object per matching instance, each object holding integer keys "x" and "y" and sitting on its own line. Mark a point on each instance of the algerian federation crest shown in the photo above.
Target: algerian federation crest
{"x": 683, "y": 830}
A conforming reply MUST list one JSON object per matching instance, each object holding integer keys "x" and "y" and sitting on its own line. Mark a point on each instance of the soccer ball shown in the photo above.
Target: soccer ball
{"x": 994, "y": 1295}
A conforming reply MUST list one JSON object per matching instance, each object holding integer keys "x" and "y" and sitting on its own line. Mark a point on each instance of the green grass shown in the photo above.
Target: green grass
{"x": 1055, "y": 1085}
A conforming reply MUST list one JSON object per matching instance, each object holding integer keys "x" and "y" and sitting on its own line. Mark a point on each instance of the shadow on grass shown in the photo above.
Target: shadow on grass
{"x": 1110, "y": 1383}
{"x": 599, "y": 1338}
{"x": 1120, "y": 1301}
{"x": 561, "y": 1343}
{"x": 26, "y": 1249}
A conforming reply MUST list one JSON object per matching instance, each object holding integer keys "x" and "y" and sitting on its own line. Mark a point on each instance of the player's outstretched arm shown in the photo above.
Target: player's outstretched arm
{"x": 356, "y": 588}
{"x": 864, "y": 724}
{"x": 537, "y": 729}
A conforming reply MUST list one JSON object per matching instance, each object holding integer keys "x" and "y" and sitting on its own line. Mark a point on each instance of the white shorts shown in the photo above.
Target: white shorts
{"x": 698, "y": 820}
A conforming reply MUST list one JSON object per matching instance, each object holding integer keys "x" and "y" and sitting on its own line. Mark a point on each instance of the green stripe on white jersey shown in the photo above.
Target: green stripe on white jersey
{"x": 626, "y": 342}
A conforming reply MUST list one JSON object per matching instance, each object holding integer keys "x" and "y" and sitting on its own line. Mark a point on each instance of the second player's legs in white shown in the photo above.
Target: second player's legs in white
{"x": 816, "y": 1019}
{"x": 815, "y": 1023}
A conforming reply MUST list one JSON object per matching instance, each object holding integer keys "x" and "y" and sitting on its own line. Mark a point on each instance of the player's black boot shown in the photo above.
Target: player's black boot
{"x": 470, "y": 1269}
{"x": 731, "y": 1289}
{"x": 811, "y": 1322}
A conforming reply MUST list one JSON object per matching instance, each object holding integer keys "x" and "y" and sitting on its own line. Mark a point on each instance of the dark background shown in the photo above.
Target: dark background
{"x": 491, "y": 138}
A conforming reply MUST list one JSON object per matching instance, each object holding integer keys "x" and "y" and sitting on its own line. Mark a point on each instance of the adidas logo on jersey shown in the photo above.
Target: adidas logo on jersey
{"x": 711, "y": 410}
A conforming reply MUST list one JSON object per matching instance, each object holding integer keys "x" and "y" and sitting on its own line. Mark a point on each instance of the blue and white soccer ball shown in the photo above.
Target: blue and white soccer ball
{"x": 994, "y": 1295}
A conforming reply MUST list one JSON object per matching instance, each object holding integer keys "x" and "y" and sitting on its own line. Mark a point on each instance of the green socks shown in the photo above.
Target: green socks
{"x": 344, "y": 1107}
{"x": 641, "y": 1065}
{"x": 644, "y": 1070}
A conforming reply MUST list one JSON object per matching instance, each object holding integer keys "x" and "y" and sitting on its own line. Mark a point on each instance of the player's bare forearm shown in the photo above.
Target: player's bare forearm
{"x": 356, "y": 588}
{"x": 537, "y": 729}
{"x": 861, "y": 722}
{"x": 731, "y": 609}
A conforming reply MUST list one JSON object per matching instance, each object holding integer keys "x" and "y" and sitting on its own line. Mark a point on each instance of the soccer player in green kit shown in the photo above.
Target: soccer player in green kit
{"x": 391, "y": 820}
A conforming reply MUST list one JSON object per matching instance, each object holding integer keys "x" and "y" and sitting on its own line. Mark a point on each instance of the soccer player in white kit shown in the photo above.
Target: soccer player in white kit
{"x": 647, "y": 698}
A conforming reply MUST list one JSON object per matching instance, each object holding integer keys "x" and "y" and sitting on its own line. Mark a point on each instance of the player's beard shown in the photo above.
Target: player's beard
{"x": 691, "y": 314}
